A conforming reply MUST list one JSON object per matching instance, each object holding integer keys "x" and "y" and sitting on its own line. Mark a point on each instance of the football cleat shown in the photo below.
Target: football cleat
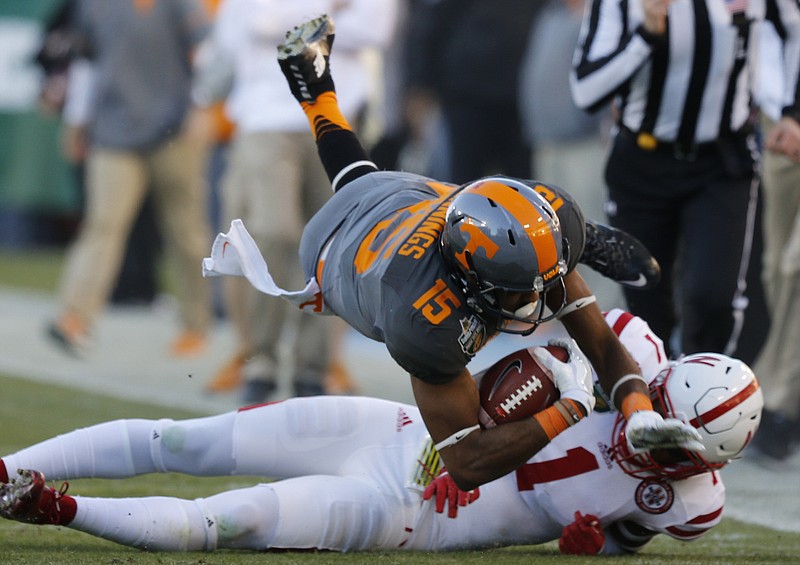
{"x": 620, "y": 257}
{"x": 28, "y": 499}
{"x": 304, "y": 58}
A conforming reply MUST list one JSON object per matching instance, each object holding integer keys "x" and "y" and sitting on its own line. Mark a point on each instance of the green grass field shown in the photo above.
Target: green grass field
{"x": 30, "y": 412}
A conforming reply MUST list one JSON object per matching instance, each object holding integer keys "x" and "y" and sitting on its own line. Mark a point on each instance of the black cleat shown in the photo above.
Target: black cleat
{"x": 620, "y": 257}
{"x": 304, "y": 58}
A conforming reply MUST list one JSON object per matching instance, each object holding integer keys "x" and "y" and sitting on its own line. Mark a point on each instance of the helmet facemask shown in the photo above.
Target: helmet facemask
{"x": 717, "y": 395}
{"x": 483, "y": 297}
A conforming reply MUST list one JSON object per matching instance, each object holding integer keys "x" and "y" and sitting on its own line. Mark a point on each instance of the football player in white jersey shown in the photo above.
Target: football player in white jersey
{"x": 362, "y": 473}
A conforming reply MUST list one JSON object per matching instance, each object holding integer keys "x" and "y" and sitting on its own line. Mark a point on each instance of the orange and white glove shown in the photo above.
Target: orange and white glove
{"x": 445, "y": 491}
{"x": 584, "y": 536}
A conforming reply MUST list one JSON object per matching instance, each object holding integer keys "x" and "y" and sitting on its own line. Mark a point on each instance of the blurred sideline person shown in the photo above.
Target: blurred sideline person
{"x": 274, "y": 181}
{"x": 779, "y": 360}
{"x": 464, "y": 56}
{"x": 137, "y": 282}
{"x": 434, "y": 270}
{"x": 361, "y": 473}
{"x": 128, "y": 104}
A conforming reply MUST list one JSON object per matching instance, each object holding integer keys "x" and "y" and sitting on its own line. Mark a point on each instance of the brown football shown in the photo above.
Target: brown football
{"x": 516, "y": 387}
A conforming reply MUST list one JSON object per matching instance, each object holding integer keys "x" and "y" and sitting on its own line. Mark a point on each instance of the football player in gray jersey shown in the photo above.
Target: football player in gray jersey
{"x": 435, "y": 270}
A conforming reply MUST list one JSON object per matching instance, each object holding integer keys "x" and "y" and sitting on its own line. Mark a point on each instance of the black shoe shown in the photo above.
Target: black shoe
{"x": 304, "y": 58}
{"x": 66, "y": 335}
{"x": 620, "y": 257}
{"x": 257, "y": 391}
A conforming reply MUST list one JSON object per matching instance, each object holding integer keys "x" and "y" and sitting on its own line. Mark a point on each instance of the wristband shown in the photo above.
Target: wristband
{"x": 634, "y": 402}
{"x": 620, "y": 382}
{"x": 558, "y": 417}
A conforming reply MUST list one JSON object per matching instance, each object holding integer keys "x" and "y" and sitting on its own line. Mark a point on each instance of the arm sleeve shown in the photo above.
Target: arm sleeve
{"x": 426, "y": 351}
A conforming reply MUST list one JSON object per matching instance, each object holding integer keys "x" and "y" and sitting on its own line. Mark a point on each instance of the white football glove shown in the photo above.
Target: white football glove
{"x": 574, "y": 378}
{"x": 647, "y": 429}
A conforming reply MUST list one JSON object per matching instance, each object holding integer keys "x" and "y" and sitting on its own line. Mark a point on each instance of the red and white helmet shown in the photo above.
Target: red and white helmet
{"x": 718, "y": 395}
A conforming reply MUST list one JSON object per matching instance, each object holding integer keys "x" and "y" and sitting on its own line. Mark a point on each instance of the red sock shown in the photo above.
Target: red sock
{"x": 3, "y": 472}
{"x": 67, "y": 509}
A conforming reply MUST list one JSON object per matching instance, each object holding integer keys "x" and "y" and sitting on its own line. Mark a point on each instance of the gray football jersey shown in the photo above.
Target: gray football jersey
{"x": 374, "y": 249}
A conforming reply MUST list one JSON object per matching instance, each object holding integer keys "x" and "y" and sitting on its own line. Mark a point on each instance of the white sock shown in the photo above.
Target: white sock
{"x": 154, "y": 523}
{"x": 112, "y": 450}
{"x": 237, "y": 519}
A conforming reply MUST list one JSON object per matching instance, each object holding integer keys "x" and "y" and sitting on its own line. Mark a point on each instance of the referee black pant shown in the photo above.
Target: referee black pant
{"x": 697, "y": 213}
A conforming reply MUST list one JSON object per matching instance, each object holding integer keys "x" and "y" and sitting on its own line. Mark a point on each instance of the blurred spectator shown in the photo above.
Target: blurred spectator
{"x": 466, "y": 55}
{"x": 273, "y": 180}
{"x": 778, "y": 365}
{"x": 137, "y": 282}
{"x": 413, "y": 137}
{"x": 569, "y": 145}
{"x": 128, "y": 111}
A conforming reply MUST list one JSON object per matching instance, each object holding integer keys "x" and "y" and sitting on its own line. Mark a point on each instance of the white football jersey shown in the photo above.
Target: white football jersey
{"x": 576, "y": 472}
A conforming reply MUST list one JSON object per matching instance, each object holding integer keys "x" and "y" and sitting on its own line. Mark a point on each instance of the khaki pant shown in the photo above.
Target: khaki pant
{"x": 274, "y": 182}
{"x": 778, "y": 366}
{"x": 116, "y": 184}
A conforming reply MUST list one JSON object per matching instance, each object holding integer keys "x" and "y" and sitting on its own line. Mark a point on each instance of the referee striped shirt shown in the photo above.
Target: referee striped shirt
{"x": 692, "y": 85}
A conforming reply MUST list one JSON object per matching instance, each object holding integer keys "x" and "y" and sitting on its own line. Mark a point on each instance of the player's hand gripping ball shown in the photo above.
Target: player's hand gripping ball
{"x": 517, "y": 387}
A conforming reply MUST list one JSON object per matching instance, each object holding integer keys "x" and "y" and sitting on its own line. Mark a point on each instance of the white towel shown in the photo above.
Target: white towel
{"x": 236, "y": 253}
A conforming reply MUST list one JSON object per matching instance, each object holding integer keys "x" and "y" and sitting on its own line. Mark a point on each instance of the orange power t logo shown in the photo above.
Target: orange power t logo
{"x": 477, "y": 239}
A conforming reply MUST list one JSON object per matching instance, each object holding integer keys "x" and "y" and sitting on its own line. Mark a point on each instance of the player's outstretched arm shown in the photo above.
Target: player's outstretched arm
{"x": 304, "y": 58}
{"x": 621, "y": 377}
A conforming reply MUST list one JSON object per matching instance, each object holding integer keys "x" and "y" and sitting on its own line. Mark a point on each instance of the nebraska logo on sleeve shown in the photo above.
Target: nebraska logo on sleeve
{"x": 654, "y": 496}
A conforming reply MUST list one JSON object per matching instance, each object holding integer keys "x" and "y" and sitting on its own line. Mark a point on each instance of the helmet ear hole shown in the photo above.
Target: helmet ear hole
{"x": 511, "y": 238}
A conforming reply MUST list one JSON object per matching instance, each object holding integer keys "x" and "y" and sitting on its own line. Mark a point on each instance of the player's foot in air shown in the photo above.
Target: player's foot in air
{"x": 619, "y": 256}
{"x": 27, "y": 498}
{"x": 304, "y": 58}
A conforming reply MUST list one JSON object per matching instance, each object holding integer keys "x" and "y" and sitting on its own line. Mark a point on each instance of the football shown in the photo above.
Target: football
{"x": 517, "y": 387}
